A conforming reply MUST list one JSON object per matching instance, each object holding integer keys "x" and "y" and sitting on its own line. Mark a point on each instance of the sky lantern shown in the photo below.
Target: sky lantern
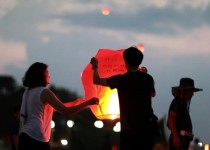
{"x": 110, "y": 62}
{"x": 105, "y": 11}
{"x": 140, "y": 47}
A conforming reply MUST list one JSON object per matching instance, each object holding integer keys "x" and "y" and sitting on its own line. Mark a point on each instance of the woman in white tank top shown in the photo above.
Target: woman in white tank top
{"x": 37, "y": 108}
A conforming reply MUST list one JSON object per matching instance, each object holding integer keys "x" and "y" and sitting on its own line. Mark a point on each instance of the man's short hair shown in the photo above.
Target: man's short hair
{"x": 133, "y": 56}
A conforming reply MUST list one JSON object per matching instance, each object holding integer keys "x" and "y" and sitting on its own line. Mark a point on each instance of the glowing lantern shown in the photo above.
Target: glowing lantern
{"x": 140, "y": 47}
{"x": 110, "y": 62}
{"x": 105, "y": 11}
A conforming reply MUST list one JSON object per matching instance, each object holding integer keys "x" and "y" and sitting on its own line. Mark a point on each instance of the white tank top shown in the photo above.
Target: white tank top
{"x": 39, "y": 115}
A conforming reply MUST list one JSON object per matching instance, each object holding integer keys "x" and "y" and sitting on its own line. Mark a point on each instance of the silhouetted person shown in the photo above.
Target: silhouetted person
{"x": 37, "y": 108}
{"x": 15, "y": 127}
{"x": 107, "y": 145}
{"x": 179, "y": 120}
{"x": 134, "y": 91}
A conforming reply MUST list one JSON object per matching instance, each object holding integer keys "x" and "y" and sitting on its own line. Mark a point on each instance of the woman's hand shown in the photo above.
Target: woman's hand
{"x": 93, "y": 101}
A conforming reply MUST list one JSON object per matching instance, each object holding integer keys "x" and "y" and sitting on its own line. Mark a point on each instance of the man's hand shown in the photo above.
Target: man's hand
{"x": 94, "y": 61}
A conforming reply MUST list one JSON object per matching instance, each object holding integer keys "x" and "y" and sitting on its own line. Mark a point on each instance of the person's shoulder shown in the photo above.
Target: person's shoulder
{"x": 150, "y": 75}
{"x": 176, "y": 101}
{"x": 41, "y": 88}
{"x": 45, "y": 89}
{"x": 173, "y": 104}
{"x": 117, "y": 75}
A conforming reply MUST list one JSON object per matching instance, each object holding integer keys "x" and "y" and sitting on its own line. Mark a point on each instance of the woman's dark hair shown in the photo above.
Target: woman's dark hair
{"x": 34, "y": 76}
{"x": 133, "y": 56}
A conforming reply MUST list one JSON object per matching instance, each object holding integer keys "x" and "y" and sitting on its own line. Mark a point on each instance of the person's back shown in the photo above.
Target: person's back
{"x": 37, "y": 112}
{"x": 135, "y": 91}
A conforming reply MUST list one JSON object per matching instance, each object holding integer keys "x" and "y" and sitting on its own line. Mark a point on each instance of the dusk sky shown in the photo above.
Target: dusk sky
{"x": 65, "y": 34}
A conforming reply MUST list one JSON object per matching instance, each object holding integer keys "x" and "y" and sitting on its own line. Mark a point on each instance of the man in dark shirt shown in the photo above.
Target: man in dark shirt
{"x": 135, "y": 91}
{"x": 179, "y": 120}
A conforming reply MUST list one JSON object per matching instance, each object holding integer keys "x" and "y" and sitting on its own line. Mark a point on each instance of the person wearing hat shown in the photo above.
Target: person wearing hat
{"x": 179, "y": 120}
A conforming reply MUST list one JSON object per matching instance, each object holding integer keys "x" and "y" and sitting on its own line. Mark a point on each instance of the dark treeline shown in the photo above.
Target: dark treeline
{"x": 10, "y": 96}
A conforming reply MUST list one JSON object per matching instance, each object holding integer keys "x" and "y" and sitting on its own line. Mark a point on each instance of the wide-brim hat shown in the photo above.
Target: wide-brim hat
{"x": 185, "y": 84}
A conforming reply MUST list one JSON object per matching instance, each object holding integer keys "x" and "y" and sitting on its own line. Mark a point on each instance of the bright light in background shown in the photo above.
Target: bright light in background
{"x": 70, "y": 123}
{"x": 105, "y": 11}
{"x": 64, "y": 142}
{"x": 140, "y": 47}
{"x": 200, "y": 144}
{"x": 98, "y": 123}
{"x": 117, "y": 128}
{"x": 206, "y": 147}
{"x": 52, "y": 124}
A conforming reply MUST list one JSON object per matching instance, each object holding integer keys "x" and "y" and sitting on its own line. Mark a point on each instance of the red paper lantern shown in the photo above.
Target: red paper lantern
{"x": 110, "y": 62}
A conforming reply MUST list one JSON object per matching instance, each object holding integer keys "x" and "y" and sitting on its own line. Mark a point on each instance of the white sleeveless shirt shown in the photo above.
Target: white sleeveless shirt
{"x": 39, "y": 115}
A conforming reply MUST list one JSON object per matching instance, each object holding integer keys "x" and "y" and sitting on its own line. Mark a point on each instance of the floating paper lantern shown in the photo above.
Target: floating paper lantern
{"x": 105, "y": 11}
{"x": 110, "y": 62}
{"x": 140, "y": 47}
